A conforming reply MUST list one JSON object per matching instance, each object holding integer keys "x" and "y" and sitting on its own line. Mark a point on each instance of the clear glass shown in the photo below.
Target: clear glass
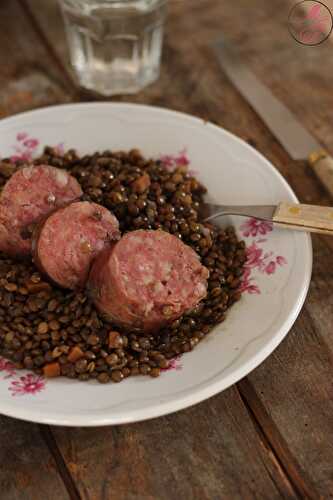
{"x": 115, "y": 45}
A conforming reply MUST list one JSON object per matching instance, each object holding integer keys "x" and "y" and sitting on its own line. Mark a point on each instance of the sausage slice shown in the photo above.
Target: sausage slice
{"x": 66, "y": 243}
{"x": 28, "y": 196}
{"x": 147, "y": 279}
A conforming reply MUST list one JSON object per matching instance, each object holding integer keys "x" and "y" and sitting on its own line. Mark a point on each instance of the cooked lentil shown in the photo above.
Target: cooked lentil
{"x": 59, "y": 332}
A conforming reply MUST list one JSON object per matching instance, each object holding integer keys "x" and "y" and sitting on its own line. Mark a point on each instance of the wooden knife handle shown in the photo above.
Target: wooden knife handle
{"x": 312, "y": 218}
{"x": 322, "y": 164}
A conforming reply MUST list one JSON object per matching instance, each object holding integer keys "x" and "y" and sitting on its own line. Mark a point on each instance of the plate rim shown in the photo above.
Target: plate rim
{"x": 194, "y": 396}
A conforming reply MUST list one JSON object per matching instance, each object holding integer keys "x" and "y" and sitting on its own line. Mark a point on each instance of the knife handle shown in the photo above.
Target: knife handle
{"x": 312, "y": 218}
{"x": 322, "y": 164}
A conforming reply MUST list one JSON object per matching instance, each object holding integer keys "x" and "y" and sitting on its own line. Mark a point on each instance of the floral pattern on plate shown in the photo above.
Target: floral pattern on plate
{"x": 174, "y": 364}
{"x": 217, "y": 155}
{"x": 258, "y": 260}
{"x": 20, "y": 385}
{"x": 27, "y": 384}
{"x": 25, "y": 147}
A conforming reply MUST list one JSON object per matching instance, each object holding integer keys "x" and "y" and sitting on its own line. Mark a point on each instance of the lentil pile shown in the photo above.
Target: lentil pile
{"x": 58, "y": 332}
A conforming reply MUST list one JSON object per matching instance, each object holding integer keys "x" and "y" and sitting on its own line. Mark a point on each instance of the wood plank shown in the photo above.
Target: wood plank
{"x": 54, "y": 37}
{"x": 192, "y": 81}
{"x": 28, "y": 79}
{"x": 320, "y": 299}
{"x": 208, "y": 452}
{"x": 258, "y": 30}
{"x": 260, "y": 474}
{"x": 294, "y": 385}
{"x": 276, "y": 441}
{"x": 311, "y": 472}
{"x": 27, "y": 470}
{"x": 60, "y": 463}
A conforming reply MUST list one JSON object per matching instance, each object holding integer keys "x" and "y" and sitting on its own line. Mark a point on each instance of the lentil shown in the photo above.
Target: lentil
{"x": 59, "y": 332}
{"x": 42, "y": 328}
{"x": 117, "y": 376}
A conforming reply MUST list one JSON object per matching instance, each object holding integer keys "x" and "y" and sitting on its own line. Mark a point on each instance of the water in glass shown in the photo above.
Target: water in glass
{"x": 115, "y": 45}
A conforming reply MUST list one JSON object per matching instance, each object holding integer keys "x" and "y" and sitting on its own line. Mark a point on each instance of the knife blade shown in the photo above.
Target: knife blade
{"x": 296, "y": 140}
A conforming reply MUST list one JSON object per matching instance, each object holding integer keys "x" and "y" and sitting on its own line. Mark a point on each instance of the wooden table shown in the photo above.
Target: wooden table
{"x": 271, "y": 435}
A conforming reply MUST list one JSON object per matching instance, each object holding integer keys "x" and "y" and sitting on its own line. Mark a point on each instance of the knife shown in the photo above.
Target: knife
{"x": 296, "y": 140}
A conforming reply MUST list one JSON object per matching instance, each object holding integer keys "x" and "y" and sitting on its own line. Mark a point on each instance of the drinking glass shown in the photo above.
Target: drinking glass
{"x": 115, "y": 45}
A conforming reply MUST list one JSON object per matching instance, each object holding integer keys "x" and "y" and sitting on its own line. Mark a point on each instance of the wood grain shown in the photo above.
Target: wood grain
{"x": 323, "y": 168}
{"x": 28, "y": 79}
{"x": 305, "y": 415}
{"x": 279, "y": 443}
{"x": 270, "y": 432}
{"x": 258, "y": 30}
{"x": 192, "y": 81}
{"x": 300, "y": 216}
{"x": 57, "y": 51}
{"x": 208, "y": 452}
{"x": 63, "y": 470}
{"x": 290, "y": 394}
{"x": 27, "y": 470}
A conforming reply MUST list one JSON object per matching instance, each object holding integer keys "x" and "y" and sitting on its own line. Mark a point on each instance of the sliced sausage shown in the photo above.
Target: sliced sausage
{"x": 147, "y": 279}
{"x": 66, "y": 243}
{"x": 28, "y": 196}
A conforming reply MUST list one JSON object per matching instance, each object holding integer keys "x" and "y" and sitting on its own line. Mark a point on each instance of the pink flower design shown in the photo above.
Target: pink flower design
{"x": 313, "y": 12}
{"x": 27, "y": 384}
{"x": 253, "y": 227}
{"x": 281, "y": 261}
{"x": 263, "y": 262}
{"x": 25, "y": 148}
{"x": 167, "y": 160}
{"x": 173, "y": 364}
{"x": 270, "y": 268}
{"x": 254, "y": 255}
{"x": 8, "y": 367}
{"x": 247, "y": 284}
{"x": 31, "y": 143}
{"x": 21, "y": 136}
{"x": 314, "y": 16}
{"x": 182, "y": 158}
{"x": 171, "y": 162}
{"x": 315, "y": 26}
{"x": 313, "y": 35}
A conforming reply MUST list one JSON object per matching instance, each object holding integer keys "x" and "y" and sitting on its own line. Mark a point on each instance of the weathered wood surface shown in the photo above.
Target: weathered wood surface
{"x": 275, "y": 441}
{"x": 209, "y": 452}
{"x": 27, "y": 470}
{"x": 28, "y": 76}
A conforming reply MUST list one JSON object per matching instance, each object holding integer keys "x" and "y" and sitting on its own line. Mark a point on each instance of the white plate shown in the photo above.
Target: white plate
{"x": 279, "y": 264}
